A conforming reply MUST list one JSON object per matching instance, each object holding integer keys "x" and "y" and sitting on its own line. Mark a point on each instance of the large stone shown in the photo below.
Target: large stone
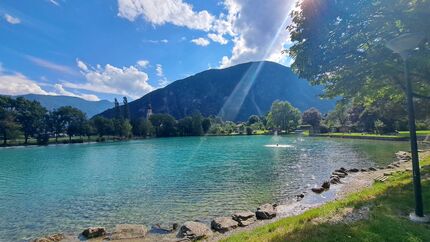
{"x": 335, "y": 180}
{"x": 94, "y": 232}
{"x": 363, "y": 170}
{"x": 194, "y": 231}
{"x": 266, "y": 211}
{"x": 353, "y": 170}
{"x": 339, "y": 174}
{"x": 326, "y": 185}
{"x": 165, "y": 228}
{"x": 51, "y": 238}
{"x": 224, "y": 224}
{"x": 318, "y": 190}
{"x": 372, "y": 169}
{"x": 403, "y": 155}
{"x": 244, "y": 218}
{"x": 129, "y": 231}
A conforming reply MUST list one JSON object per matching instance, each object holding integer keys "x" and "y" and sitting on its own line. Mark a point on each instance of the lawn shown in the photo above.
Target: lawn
{"x": 390, "y": 203}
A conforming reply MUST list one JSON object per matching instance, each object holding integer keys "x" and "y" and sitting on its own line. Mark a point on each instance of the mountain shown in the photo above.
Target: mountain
{"x": 91, "y": 108}
{"x": 233, "y": 93}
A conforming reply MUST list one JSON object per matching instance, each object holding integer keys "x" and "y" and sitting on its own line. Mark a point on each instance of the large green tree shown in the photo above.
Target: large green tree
{"x": 283, "y": 116}
{"x": 30, "y": 115}
{"x": 340, "y": 44}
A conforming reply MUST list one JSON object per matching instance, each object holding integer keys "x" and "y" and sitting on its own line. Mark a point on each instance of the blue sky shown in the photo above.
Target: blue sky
{"x": 101, "y": 49}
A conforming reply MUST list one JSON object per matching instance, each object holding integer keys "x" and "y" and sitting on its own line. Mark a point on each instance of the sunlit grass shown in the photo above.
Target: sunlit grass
{"x": 390, "y": 203}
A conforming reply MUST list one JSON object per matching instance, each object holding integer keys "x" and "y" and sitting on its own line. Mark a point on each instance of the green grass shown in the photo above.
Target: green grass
{"x": 390, "y": 203}
{"x": 360, "y": 135}
{"x": 261, "y": 132}
{"x": 419, "y": 133}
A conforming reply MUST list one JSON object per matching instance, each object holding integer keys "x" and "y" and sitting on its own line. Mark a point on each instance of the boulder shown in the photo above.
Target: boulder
{"x": 335, "y": 180}
{"x": 245, "y": 218}
{"x": 363, "y": 170}
{"x": 129, "y": 231}
{"x": 51, "y": 238}
{"x": 93, "y": 232}
{"x": 341, "y": 171}
{"x": 318, "y": 190}
{"x": 165, "y": 228}
{"x": 194, "y": 231}
{"x": 353, "y": 170}
{"x": 326, "y": 185}
{"x": 403, "y": 155}
{"x": 372, "y": 169}
{"x": 339, "y": 174}
{"x": 266, "y": 211}
{"x": 224, "y": 224}
{"x": 390, "y": 167}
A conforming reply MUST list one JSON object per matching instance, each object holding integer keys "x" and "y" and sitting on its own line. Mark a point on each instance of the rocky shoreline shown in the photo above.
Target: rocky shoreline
{"x": 340, "y": 183}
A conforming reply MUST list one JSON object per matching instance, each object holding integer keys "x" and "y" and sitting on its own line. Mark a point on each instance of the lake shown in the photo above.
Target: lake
{"x": 66, "y": 188}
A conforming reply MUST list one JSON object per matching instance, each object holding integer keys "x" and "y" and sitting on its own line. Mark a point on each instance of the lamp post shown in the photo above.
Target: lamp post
{"x": 403, "y": 45}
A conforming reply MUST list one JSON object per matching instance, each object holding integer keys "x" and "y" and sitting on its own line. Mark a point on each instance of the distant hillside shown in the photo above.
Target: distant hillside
{"x": 233, "y": 93}
{"x": 91, "y": 108}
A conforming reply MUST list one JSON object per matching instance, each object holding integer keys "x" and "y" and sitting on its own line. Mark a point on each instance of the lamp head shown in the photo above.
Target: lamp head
{"x": 405, "y": 42}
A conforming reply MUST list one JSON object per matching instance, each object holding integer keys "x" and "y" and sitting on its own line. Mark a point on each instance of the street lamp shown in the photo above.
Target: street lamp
{"x": 403, "y": 45}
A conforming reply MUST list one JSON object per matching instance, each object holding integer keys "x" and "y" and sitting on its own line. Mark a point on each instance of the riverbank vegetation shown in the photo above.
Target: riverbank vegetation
{"x": 389, "y": 206}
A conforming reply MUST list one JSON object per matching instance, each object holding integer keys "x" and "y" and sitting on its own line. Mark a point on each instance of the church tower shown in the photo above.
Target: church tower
{"x": 148, "y": 111}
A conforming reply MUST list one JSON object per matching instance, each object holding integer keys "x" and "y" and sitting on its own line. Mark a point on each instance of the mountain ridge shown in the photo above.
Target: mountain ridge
{"x": 233, "y": 93}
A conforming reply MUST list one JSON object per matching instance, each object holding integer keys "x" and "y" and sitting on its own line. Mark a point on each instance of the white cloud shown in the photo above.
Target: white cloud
{"x": 59, "y": 90}
{"x": 162, "y": 41}
{"x": 143, "y": 63}
{"x": 18, "y": 84}
{"x": 258, "y": 38}
{"x": 52, "y": 66}
{"x": 218, "y": 38}
{"x": 256, "y": 28}
{"x": 126, "y": 81}
{"x": 159, "y": 70}
{"x": 12, "y": 20}
{"x": 159, "y": 12}
{"x": 54, "y": 2}
{"x": 201, "y": 41}
{"x": 81, "y": 65}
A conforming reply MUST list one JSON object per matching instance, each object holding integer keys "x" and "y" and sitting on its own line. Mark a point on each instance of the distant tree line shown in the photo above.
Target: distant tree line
{"x": 24, "y": 120}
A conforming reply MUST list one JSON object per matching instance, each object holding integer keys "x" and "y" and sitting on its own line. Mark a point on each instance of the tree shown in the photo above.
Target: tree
{"x": 312, "y": 117}
{"x": 253, "y": 119}
{"x": 164, "y": 125}
{"x": 185, "y": 126}
{"x": 70, "y": 120}
{"x": 30, "y": 115}
{"x": 206, "y": 125}
{"x": 117, "y": 109}
{"x": 283, "y": 116}
{"x": 126, "y": 109}
{"x": 125, "y": 128}
{"x": 340, "y": 44}
{"x": 9, "y": 128}
{"x": 197, "y": 128}
{"x": 142, "y": 127}
{"x": 103, "y": 126}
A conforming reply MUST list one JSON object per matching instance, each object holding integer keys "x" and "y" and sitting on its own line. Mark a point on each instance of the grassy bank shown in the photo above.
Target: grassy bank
{"x": 390, "y": 203}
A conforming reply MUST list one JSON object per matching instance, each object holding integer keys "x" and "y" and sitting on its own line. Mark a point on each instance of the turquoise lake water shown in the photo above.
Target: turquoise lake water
{"x": 66, "y": 188}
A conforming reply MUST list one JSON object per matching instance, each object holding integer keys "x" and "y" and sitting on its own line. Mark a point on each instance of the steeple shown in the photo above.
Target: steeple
{"x": 148, "y": 111}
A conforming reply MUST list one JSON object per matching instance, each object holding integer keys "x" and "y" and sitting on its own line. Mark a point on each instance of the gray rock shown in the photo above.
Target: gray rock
{"x": 403, "y": 155}
{"x": 390, "y": 167}
{"x": 50, "y": 238}
{"x": 93, "y": 232}
{"x": 372, "y": 169}
{"x": 266, "y": 211}
{"x": 318, "y": 190}
{"x": 363, "y": 170}
{"x": 166, "y": 228}
{"x": 194, "y": 231}
{"x": 224, "y": 224}
{"x": 129, "y": 231}
{"x": 353, "y": 170}
{"x": 244, "y": 218}
{"x": 339, "y": 174}
{"x": 326, "y": 185}
{"x": 335, "y": 180}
